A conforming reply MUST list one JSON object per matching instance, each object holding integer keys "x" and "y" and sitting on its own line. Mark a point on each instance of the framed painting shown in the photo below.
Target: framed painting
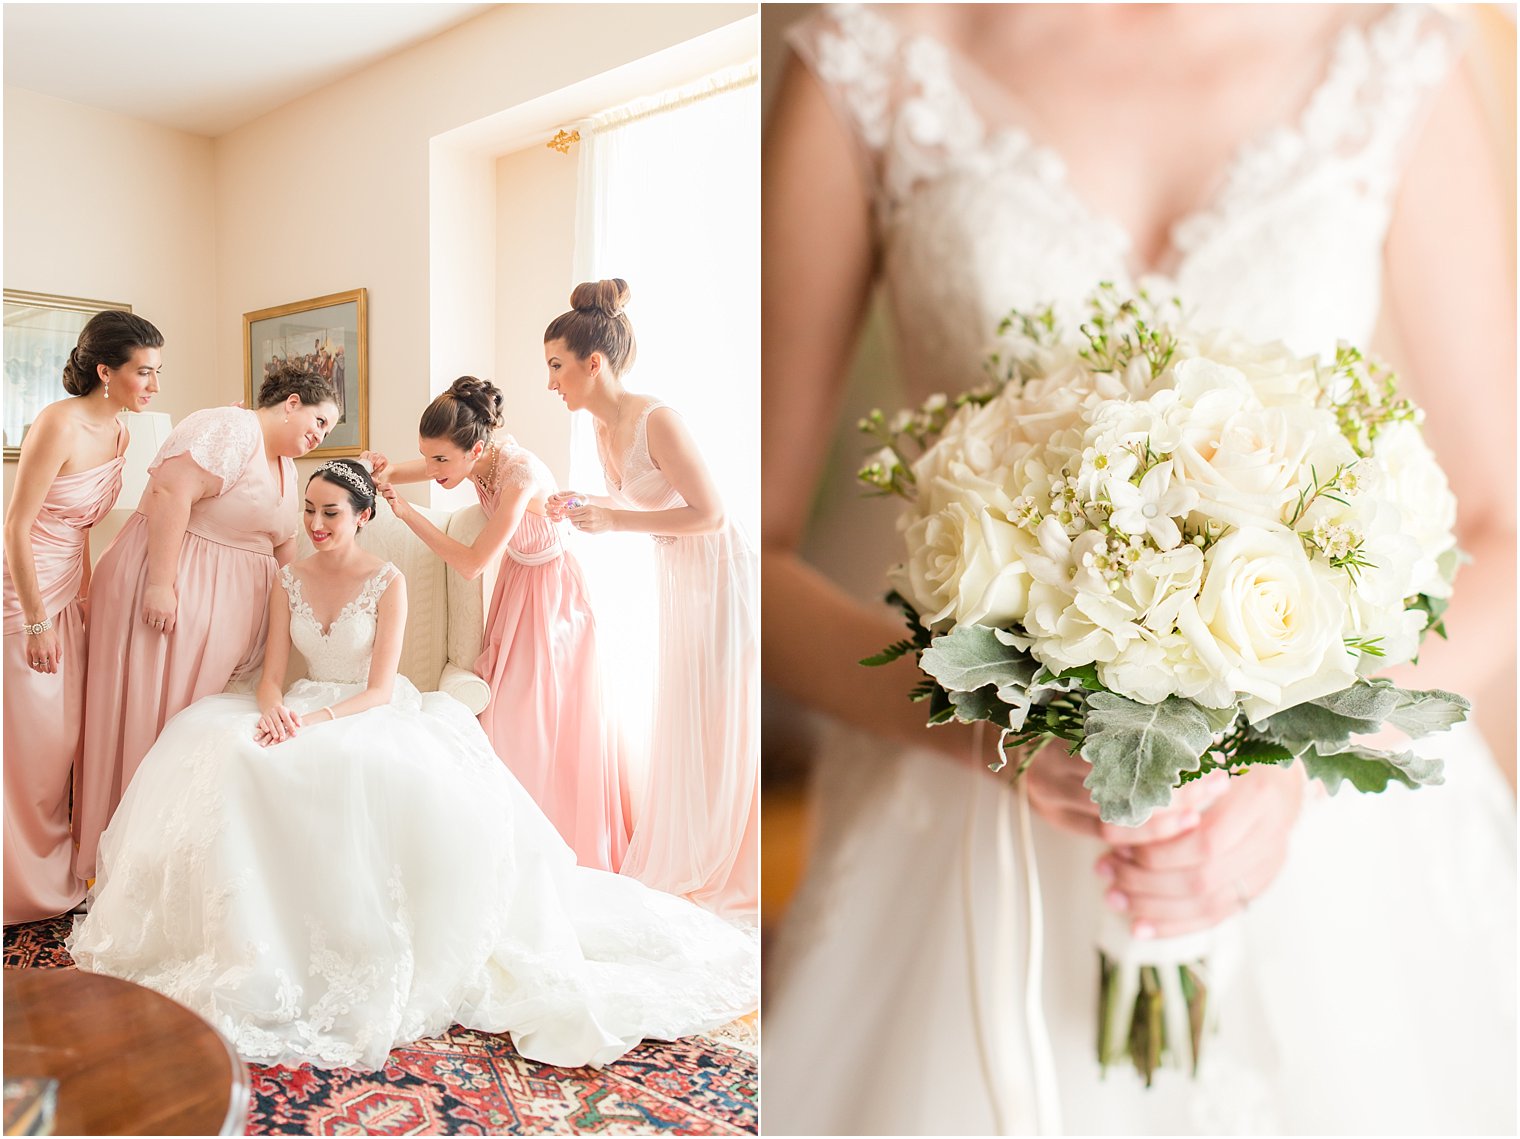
{"x": 327, "y": 335}
{"x": 40, "y": 331}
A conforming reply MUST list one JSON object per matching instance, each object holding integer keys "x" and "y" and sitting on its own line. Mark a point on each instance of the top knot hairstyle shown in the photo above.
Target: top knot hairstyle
{"x": 292, "y": 379}
{"x": 466, "y": 414}
{"x": 596, "y": 322}
{"x": 352, "y": 476}
{"x": 109, "y": 338}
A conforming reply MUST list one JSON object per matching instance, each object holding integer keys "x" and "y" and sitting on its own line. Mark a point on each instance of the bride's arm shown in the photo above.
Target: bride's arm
{"x": 389, "y": 628}
{"x": 276, "y": 721}
{"x": 468, "y": 560}
{"x": 674, "y": 452}
{"x": 1451, "y": 295}
{"x": 818, "y": 258}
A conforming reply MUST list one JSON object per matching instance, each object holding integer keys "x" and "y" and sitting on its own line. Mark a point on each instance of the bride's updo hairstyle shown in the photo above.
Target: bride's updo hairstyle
{"x": 466, "y": 414}
{"x": 289, "y": 379}
{"x": 596, "y": 322}
{"x": 352, "y": 476}
{"x": 109, "y": 338}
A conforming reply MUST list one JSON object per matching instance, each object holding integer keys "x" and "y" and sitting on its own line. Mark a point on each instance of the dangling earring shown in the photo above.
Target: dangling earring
{"x": 105, "y": 389}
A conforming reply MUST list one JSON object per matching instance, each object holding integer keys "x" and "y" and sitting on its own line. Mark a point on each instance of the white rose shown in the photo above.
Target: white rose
{"x": 1415, "y": 483}
{"x": 1277, "y": 376}
{"x": 1268, "y": 622}
{"x": 963, "y": 566}
{"x": 1072, "y": 614}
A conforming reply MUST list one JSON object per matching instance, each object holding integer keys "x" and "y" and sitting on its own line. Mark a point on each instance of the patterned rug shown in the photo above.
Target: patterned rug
{"x": 475, "y": 1083}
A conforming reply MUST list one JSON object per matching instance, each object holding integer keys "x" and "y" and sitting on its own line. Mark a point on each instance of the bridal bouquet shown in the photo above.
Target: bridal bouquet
{"x": 1179, "y": 552}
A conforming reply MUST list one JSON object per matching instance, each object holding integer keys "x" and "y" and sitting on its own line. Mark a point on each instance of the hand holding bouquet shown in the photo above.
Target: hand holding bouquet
{"x": 1175, "y": 550}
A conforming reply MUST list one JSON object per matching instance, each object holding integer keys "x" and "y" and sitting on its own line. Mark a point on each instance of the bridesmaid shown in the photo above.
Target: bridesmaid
{"x": 182, "y": 594}
{"x": 696, "y": 831}
{"x": 67, "y": 479}
{"x": 545, "y": 717}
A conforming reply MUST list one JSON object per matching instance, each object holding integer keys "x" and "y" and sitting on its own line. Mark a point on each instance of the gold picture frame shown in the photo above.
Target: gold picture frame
{"x": 41, "y": 329}
{"x": 337, "y": 328}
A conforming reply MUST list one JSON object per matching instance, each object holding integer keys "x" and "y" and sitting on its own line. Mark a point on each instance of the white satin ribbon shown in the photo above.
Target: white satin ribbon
{"x": 542, "y": 557}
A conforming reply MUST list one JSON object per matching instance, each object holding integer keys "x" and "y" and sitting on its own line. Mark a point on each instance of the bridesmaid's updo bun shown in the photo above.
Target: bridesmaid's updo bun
{"x": 466, "y": 414}
{"x": 109, "y": 338}
{"x": 292, "y": 379}
{"x": 352, "y": 476}
{"x": 596, "y": 322}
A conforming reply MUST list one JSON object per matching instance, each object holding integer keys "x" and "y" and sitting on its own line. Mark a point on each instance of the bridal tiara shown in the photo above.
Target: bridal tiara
{"x": 348, "y": 475}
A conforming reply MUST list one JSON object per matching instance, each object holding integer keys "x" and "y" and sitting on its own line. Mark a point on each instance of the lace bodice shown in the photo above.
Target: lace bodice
{"x": 973, "y": 216}
{"x": 644, "y": 486}
{"x": 339, "y": 654}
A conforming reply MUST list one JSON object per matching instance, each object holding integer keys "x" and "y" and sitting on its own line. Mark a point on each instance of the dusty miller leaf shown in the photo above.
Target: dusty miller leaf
{"x": 974, "y": 656}
{"x": 1332, "y": 720}
{"x": 1421, "y": 712}
{"x": 1138, "y": 752}
{"x": 1368, "y": 769}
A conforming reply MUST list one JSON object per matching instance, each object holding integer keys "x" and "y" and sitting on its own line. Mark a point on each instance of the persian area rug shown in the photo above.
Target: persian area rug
{"x": 475, "y": 1083}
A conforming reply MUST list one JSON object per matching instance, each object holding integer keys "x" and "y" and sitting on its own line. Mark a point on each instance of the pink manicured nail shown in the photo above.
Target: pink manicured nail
{"x": 1144, "y": 930}
{"x": 1105, "y": 870}
{"x": 1117, "y": 900}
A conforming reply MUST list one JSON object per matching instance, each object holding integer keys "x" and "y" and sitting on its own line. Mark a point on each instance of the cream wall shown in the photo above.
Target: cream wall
{"x": 102, "y": 206}
{"x": 535, "y": 250}
{"x": 331, "y": 192}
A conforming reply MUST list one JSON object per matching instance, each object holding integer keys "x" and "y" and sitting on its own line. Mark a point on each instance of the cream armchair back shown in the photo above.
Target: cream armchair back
{"x": 445, "y": 619}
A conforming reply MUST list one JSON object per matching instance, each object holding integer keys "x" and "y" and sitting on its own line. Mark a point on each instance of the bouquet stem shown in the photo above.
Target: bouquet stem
{"x": 1153, "y": 1014}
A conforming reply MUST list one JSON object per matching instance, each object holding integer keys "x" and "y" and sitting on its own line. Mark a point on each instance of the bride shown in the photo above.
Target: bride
{"x": 330, "y": 872}
{"x": 976, "y": 158}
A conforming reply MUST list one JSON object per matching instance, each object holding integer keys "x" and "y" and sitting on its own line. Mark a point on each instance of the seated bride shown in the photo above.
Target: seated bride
{"x": 327, "y": 873}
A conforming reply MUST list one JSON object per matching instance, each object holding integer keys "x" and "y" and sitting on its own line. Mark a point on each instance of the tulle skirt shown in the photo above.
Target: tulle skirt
{"x": 377, "y": 879}
{"x": 140, "y": 677}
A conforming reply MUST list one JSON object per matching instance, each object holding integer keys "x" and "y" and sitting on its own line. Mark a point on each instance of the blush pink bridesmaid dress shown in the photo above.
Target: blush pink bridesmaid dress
{"x": 141, "y": 677}
{"x": 44, "y": 711}
{"x": 545, "y": 716}
{"x": 696, "y": 831}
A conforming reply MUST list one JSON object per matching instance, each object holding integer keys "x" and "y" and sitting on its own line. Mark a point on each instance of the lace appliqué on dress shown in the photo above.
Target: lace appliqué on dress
{"x": 339, "y": 654}
{"x": 221, "y": 440}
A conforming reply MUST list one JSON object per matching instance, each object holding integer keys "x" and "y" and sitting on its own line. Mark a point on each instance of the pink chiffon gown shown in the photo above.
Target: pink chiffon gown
{"x": 141, "y": 677}
{"x": 696, "y": 831}
{"x": 545, "y": 717}
{"x": 44, "y": 712}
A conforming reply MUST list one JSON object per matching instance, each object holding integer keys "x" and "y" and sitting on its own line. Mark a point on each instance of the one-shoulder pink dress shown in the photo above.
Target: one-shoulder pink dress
{"x": 696, "y": 830}
{"x": 545, "y": 717}
{"x": 139, "y": 676}
{"x": 44, "y": 712}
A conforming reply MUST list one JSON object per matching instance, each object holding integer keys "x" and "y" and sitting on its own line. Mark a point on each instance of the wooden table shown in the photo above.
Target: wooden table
{"x": 127, "y": 1060}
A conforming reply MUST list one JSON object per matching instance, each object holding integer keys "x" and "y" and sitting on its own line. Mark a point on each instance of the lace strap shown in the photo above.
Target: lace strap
{"x": 1382, "y": 78}
{"x": 516, "y": 467}
{"x": 896, "y": 93}
{"x": 375, "y": 587}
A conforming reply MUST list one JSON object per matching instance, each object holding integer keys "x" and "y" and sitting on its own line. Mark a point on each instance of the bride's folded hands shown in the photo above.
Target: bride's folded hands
{"x": 1056, "y": 791}
{"x": 276, "y": 724}
{"x": 1205, "y": 874}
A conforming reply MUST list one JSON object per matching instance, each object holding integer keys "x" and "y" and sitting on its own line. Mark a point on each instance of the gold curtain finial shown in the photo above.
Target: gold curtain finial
{"x": 561, "y": 141}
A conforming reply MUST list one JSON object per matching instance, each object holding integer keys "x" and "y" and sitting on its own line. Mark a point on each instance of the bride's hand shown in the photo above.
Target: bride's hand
{"x": 277, "y": 724}
{"x": 1206, "y": 874}
{"x": 1056, "y": 793}
{"x": 399, "y": 504}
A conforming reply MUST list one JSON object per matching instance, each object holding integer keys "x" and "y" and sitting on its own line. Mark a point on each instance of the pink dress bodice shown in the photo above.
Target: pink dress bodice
{"x": 250, "y": 512}
{"x": 60, "y": 536}
{"x": 536, "y": 539}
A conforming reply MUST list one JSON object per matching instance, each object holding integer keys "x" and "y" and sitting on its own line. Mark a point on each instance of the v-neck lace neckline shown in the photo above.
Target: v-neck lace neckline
{"x": 1168, "y": 264}
{"x": 361, "y": 602}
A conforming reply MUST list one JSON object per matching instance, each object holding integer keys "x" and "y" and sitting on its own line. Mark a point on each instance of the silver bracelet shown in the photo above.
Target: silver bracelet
{"x": 40, "y": 627}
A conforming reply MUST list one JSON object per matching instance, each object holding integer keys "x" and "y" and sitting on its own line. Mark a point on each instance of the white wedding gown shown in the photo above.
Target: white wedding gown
{"x": 1374, "y": 983}
{"x": 378, "y": 878}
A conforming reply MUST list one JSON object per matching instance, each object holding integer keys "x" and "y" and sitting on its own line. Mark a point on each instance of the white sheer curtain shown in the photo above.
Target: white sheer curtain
{"x": 669, "y": 200}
